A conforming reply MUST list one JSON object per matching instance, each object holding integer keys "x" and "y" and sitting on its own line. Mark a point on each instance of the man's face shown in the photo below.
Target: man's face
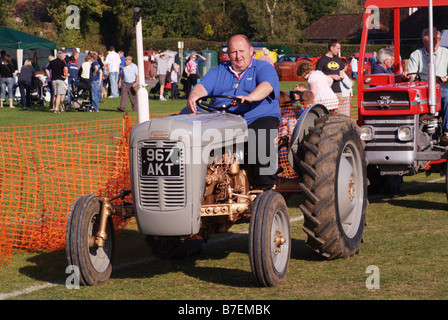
{"x": 335, "y": 49}
{"x": 240, "y": 53}
{"x": 436, "y": 41}
{"x": 389, "y": 63}
{"x": 127, "y": 62}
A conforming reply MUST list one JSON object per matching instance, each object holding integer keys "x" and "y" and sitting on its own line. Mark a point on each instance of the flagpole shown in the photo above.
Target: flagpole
{"x": 142, "y": 94}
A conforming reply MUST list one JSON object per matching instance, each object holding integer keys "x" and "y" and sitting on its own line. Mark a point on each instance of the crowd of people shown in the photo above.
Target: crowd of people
{"x": 114, "y": 75}
{"x": 99, "y": 75}
{"x": 167, "y": 73}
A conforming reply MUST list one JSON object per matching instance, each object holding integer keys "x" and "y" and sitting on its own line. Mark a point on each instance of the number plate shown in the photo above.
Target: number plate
{"x": 160, "y": 162}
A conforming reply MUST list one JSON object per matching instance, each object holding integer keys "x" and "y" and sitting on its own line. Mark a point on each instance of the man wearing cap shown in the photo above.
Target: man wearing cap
{"x": 418, "y": 62}
{"x": 128, "y": 82}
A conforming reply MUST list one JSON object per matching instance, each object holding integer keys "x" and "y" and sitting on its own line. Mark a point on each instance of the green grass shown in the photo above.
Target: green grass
{"x": 405, "y": 238}
{"x": 108, "y": 110}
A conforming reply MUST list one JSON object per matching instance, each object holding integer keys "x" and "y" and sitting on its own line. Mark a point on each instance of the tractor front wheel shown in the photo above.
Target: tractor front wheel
{"x": 269, "y": 239}
{"x": 93, "y": 261}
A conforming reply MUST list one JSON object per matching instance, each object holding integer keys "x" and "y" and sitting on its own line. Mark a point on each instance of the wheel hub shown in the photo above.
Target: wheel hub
{"x": 351, "y": 189}
{"x": 279, "y": 240}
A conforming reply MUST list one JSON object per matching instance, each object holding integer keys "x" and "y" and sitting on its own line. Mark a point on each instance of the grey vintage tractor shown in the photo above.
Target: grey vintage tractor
{"x": 190, "y": 178}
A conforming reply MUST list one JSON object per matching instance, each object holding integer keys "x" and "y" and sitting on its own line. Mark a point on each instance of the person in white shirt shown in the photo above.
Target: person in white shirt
{"x": 346, "y": 90}
{"x": 128, "y": 83}
{"x": 354, "y": 65}
{"x": 113, "y": 62}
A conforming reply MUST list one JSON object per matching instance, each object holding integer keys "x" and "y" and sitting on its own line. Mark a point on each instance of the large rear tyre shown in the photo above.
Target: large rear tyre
{"x": 334, "y": 187}
{"x": 93, "y": 262}
{"x": 269, "y": 239}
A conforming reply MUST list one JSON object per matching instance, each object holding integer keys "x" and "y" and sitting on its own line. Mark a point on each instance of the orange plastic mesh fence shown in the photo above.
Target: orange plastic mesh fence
{"x": 44, "y": 168}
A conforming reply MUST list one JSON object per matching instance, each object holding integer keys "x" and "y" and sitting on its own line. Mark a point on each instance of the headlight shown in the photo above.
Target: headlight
{"x": 367, "y": 80}
{"x": 367, "y": 133}
{"x": 405, "y": 133}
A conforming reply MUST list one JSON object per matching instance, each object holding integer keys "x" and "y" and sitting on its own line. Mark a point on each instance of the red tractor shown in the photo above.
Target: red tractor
{"x": 400, "y": 121}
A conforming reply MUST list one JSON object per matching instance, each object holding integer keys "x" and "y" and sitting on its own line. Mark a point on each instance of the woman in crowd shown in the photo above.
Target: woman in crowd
{"x": 25, "y": 79}
{"x": 191, "y": 69}
{"x": 7, "y": 80}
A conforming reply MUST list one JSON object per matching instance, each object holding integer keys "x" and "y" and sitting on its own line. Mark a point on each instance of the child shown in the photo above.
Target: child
{"x": 306, "y": 99}
{"x": 174, "y": 77}
{"x": 296, "y": 92}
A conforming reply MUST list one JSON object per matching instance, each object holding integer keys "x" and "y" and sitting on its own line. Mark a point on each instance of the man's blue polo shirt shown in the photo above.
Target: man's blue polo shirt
{"x": 222, "y": 81}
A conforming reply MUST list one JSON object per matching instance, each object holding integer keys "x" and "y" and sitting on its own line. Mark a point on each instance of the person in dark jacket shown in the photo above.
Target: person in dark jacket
{"x": 26, "y": 75}
{"x": 7, "y": 80}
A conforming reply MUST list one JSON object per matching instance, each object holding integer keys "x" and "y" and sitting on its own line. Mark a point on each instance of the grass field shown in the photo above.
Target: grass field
{"x": 405, "y": 239}
{"x": 108, "y": 110}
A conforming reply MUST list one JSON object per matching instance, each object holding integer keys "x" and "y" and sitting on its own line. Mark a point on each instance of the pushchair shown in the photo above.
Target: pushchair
{"x": 80, "y": 97}
{"x": 37, "y": 92}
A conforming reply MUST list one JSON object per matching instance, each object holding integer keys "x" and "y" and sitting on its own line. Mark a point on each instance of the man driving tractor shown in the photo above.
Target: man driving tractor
{"x": 250, "y": 80}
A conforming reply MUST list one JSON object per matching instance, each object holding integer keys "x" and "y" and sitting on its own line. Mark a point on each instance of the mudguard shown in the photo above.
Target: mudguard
{"x": 301, "y": 131}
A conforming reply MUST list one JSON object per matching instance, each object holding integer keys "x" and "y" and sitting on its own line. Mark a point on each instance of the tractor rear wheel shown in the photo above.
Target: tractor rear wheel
{"x": 334, "y": 187}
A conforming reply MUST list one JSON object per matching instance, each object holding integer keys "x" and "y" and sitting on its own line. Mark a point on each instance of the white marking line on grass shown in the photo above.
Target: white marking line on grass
{"x": 4, "y": 296}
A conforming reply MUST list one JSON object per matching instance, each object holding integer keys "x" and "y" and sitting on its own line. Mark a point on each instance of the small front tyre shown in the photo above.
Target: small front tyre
{"x": 269, "y": 239}
{"x": 94, "y": 262}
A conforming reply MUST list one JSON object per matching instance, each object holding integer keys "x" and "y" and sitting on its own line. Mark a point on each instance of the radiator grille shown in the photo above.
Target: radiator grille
{"x": 385, "y": 137}
{"x": 386, "y": 100}
{"x": 162, "y": 193}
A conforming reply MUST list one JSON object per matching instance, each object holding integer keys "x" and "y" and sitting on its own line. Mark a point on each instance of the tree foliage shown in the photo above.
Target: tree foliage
{"x": 111, "y": 22}
{"x": 316, "y": 9}
{"x": 275, "y": 19}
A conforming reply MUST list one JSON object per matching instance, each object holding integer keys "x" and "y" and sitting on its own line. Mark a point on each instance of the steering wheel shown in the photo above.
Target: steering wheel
{"x": 210, "y": 108}
{"x": 418, "y": 75}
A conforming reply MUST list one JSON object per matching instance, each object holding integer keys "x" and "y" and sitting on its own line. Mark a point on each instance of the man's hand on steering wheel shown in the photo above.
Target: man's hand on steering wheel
{"x": 235, "y": 101}
{"x": 240, "y": 100}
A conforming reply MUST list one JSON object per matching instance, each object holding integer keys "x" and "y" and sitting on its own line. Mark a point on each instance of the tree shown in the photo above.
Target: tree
{"x": 350, "y": 6}
{"x": 68, "y": 35}
{"x": 226, "y": 18}
{"x": 315, "y": 9}
{"x": 275, "y": 19}
{"x": 170, "y": 19}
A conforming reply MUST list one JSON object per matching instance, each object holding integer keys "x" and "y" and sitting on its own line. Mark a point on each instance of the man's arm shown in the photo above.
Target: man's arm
{"x": 261, "y": 91}
{"x": 135, "y": 85}
{"x": 100, "y": 83}
{"x": 47, "y": 71}
{"x": 197, "y": 92}
{"x": 413, "y": 66}
{"x": 119, "y": 80}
